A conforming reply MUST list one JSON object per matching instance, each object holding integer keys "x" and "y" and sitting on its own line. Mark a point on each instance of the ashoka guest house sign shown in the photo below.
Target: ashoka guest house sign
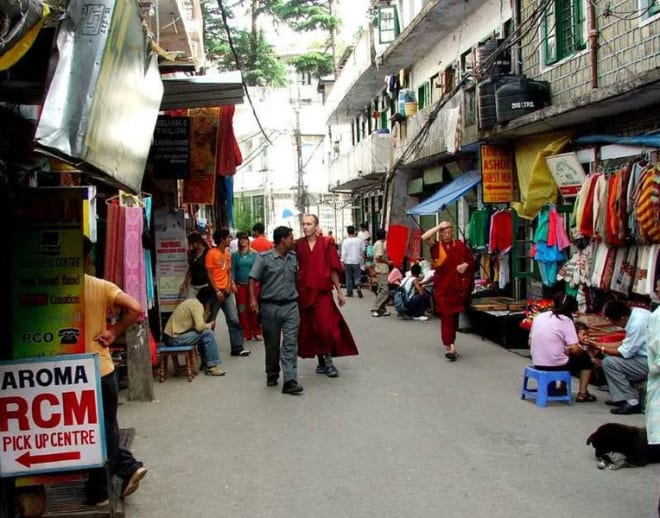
{"x": 496, "y": 174}
{"x": 51, "y": 415}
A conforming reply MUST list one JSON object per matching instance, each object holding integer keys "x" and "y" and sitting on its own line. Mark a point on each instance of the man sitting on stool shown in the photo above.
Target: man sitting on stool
{"x": 187, "y": 326}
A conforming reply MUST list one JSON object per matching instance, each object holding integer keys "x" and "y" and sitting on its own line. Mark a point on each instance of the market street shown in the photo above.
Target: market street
{"x": 401, "y": 433}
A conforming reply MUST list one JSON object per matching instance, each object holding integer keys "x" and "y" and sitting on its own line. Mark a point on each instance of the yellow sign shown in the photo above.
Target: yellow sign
{"x": 497, "y": 173}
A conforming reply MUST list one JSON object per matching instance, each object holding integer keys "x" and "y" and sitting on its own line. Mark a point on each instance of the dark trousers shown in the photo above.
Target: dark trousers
{"x": 120, "y": 460}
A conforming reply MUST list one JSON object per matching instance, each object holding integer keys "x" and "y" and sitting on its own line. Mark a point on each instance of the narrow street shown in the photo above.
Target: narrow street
{"x": 401, "y": 433}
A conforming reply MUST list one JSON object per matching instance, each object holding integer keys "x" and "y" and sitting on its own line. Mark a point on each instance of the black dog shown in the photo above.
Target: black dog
{"x": 628, "y": 440}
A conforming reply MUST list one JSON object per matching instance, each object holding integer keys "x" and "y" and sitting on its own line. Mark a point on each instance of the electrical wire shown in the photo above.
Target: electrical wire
{"x": 230, "y": 41}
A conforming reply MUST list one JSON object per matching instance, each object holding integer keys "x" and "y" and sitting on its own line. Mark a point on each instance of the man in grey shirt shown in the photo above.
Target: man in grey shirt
{"x": 275, "y": 271}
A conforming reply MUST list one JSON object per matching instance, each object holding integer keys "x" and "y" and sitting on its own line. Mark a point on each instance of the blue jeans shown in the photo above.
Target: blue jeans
{"x": 205, "y": 342}
{"x": 228, "y": 307}
{"x": 353, "y": 276}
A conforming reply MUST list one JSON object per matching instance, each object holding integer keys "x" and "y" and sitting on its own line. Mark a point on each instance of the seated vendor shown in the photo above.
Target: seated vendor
{"x": 625, "y": 364}
{"x": 554, "y": 344}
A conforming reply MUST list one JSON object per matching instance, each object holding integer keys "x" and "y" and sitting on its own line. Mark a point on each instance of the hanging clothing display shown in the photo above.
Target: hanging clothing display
{"x": 549, "y": 256}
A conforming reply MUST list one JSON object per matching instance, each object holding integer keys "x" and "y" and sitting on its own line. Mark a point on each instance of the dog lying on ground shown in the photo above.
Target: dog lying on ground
{"x": 616, "y": 445}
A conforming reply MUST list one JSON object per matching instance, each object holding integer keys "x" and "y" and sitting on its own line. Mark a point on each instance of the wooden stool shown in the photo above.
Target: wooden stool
{"x": 166, "y": 352}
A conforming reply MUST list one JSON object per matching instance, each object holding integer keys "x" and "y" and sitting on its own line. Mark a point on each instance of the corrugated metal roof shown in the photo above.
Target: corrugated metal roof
{"x": 202, "y": 91}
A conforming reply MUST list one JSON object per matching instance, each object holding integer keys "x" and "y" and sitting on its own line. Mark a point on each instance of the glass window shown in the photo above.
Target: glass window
{"x": 388, "y": 24}
{"x": 563, "y": 28}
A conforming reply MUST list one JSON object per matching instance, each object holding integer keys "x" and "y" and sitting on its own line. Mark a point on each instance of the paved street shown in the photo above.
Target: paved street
{"x": 401, "y": 433}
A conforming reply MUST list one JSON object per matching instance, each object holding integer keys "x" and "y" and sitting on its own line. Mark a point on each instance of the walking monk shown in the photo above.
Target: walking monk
{"x": 323, "y": 330}
{"x": 453, "y": 280}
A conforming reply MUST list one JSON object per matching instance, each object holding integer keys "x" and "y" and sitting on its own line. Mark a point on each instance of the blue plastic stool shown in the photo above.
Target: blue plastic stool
{"x": 543, "y": 381}
{"x": 166, "y": 352}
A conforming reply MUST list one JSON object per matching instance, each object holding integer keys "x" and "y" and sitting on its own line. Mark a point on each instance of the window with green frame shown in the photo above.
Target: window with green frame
{"x": 424, "y": 95}
{"x": 388, "y": 23}
{"x": 653, "y": 7}
{"x": 563, "y": 29}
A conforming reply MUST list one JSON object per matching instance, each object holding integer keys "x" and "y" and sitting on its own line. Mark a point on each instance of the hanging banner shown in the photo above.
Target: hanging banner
{"x": 496, "y": 173}
{"x": 51, "y": 415}
{"x": 170, "y": 151}
{"x": 200, "y": 186}
{"x": 171, "y": 257}
{"x": 47, "y": 273}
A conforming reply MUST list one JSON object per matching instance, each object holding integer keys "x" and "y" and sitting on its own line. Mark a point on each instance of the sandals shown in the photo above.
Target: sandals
{"x": 585, "y": 397}
{"x": 451, "y": 354}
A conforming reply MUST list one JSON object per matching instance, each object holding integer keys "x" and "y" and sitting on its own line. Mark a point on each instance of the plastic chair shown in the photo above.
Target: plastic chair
{"x": 542, "y": 393}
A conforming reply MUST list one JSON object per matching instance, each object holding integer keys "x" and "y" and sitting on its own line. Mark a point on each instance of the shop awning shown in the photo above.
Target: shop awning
{"x": 202, "y": 91}
{"x": 447, "y": 194}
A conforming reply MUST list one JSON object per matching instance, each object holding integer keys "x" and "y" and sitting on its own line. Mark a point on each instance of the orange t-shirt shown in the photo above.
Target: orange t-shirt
{"x": 261, "y": 244}
{"x": 218, "y": 265}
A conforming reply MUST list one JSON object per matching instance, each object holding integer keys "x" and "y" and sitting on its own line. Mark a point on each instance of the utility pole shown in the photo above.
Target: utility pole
{"x": 301, "y": 196}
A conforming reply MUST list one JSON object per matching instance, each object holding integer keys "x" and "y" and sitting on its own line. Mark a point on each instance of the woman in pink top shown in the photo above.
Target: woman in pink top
{"x": 555, "y": 347}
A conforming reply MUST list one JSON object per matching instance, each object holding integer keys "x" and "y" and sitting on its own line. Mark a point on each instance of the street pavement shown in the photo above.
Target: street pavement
{"x": 402, "y": 433}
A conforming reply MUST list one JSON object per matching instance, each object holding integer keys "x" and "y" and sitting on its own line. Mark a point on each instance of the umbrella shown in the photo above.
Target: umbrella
{"x": 289, "y": 213}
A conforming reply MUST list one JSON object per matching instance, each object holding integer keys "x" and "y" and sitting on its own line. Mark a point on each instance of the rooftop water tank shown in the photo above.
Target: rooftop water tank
{"x": 520, "y": 96}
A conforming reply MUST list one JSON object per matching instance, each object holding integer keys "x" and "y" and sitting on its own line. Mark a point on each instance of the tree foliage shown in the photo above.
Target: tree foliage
{"x": 256, "y": 56}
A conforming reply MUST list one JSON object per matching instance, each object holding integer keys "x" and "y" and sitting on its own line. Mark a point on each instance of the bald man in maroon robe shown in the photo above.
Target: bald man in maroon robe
{"x": 323, "y": 330}
{"x": 453, "y": 280}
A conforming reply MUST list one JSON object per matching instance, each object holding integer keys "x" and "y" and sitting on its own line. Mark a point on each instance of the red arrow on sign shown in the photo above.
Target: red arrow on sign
{"x": 27, "y": 459}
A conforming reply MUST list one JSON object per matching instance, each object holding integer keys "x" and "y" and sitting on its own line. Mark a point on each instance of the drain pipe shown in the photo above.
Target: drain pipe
{"x": 593, "y": 44}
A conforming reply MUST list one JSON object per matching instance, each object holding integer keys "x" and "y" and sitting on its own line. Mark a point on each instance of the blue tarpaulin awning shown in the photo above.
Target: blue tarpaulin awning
{"x": 447, "y": 194}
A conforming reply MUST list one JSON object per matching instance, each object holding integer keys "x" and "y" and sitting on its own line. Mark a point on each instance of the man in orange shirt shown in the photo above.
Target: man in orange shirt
{"x": 260, "y": 243}
{"x": 218, "y": 266}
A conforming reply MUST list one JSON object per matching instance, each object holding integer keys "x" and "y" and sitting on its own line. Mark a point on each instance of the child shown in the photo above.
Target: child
{"x": 597, "y": 375}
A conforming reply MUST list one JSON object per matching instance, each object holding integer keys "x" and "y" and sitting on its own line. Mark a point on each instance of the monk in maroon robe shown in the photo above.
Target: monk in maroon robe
{"x": 323, "y": 331}
{"x": 453, "y": 280}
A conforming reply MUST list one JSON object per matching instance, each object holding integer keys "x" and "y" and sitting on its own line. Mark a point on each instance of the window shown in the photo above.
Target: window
{"x": 448, "y": 80}
{"x": 653, "y": 7}
{"x": 388, "y": 23}
{"x": 424, "y": 95}
{"x": 467, "y": 64}
{"x": 563, "y": 29}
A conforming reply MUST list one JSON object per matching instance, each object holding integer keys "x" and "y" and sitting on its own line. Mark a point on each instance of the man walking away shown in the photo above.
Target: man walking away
{"x": 352, "y": 257}
{"x": 275, "y": 272}
{"x": 382, "y": 268}
{"x": 259, "y": 242}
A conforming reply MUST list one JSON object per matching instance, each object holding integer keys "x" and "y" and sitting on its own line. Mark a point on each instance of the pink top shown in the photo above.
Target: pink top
{"x": 549, "y": 335}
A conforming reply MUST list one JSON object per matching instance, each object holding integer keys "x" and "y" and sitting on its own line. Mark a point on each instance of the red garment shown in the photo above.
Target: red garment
{"x": 397, "y": 243}
{"x": 501, "y": 232}
{"x": 249, "y": 319}
{"x": 229, "y": 154}
{"x": 261, "y": 244}
{"x": 451, "y": 290}
{"x": 587, "y": 223}
{"x": 323, "y": 329}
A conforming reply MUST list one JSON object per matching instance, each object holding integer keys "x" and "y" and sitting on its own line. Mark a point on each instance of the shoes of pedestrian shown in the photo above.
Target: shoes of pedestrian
{"x": 243, "y": 352}
{"x": 585, "y": 397}
{"x": 359, "y": 292}
{"x": 331, "y": 371}
{"x": 271, "y": 382}
{"x": 403, "y": 316}
{"x": 627, "y": 409}
{"x": 349, "y": 294}
{"x": 609, "y": 402}
{"x": 385, "y": 313}
{"x": 291, "y": 387}
{"x": 421, "y": 318}
{"x": 321, "y": 369}
{"x": 214, "y": 371}
{"x": 132, "y": 484}
{"x": 375, "y": 314}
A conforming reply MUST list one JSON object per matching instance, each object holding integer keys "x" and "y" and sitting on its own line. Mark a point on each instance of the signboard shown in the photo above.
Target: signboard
{"x": 170, "y": 152}
{"x": 496, "y": 173}
{"x": 171, "y": 257}
{"x": 47, "y": 273}
{"x": 567, "y": 172}
{"x": 51, "y": 415}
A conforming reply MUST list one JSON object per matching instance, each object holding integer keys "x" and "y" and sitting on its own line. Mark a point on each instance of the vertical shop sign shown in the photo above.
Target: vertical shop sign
{"x": 200, "y": 186}
{"x": 51, "y": 415}
{"x": 170, "y": 152}
{"x": 171, "y": 257}
{"x": 497, "y": 173}
{"x": 48, "y": 273}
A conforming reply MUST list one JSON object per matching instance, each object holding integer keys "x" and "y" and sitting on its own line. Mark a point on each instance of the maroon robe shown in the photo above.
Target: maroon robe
{"x": 323, "y": 329}
{"x": 451, "y": 290}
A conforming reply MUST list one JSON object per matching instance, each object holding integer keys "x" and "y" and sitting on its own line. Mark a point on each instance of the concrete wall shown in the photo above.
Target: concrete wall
{"x": 629, "y": 44}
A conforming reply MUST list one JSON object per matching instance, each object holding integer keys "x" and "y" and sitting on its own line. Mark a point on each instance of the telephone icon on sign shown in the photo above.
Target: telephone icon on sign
{"x": 68, "y": 335}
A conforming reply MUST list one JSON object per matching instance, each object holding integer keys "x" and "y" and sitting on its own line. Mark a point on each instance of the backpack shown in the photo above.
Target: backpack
{"x": 399, "y": 300}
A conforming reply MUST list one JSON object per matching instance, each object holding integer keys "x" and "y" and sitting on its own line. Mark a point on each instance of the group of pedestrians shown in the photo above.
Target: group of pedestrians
{"x": 280, "y": 292}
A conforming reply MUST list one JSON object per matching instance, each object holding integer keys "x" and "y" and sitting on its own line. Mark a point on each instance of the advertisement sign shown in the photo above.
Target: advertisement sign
{"x": 51, "y": 415}
{"x": 47, "y": 273}
{"x": 171, "y": 257}
{"x": 568, "y": 173}
{"x": 496, "y": 173}
{"x": 170, "y": 151}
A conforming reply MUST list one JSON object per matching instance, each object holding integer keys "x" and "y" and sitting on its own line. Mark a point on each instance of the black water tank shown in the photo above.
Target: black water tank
{"x": 520, "y": 96}
{"x": 499, "y": 65}
{"x": 486, "y": 105}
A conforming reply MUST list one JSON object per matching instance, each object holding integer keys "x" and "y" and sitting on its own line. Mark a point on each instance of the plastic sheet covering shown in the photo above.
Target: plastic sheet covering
{"x": 537, "y": 187}
{"x": 20, "y": 22}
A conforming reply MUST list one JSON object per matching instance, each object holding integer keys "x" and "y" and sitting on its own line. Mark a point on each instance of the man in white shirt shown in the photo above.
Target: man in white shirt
{"x": 352, "y": 256}
{"x": 364, "y": 234}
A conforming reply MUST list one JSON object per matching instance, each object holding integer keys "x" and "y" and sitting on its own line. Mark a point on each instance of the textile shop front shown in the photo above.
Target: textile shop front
{"x": 77, "y": 159}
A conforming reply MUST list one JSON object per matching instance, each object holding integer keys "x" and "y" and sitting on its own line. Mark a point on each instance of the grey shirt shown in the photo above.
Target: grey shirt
{"x": 277, "y": 275}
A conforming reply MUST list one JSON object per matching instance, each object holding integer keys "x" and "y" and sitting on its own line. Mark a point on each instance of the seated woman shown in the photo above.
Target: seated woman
{"x": 555, "y": 347}
{"x": 415, "y": 298}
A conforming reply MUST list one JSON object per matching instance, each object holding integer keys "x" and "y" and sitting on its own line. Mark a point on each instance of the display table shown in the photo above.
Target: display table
{"x": 499, "y": 322}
